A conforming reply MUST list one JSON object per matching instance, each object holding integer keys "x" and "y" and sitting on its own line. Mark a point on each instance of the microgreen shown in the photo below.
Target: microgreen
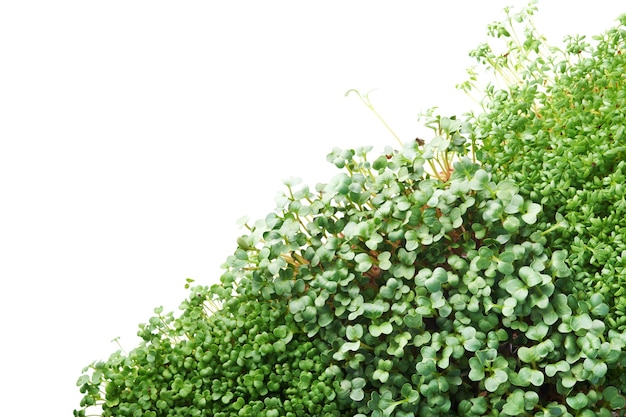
{"x": 479, "y": 273}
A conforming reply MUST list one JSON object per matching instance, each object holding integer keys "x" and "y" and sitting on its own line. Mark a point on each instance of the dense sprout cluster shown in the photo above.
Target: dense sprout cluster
{"x": 477, "y": 274}
{"x": 558, "y": 131}
{"x": 386, "y": 292}
{"x": 244, "y": 359}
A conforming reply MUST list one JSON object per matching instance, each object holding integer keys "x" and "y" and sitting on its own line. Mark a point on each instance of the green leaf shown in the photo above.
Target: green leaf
{"x": 511, "y": 224}
{"x": 528, "y": 354}
{"x": 472, "y": 345}
{"x": 364, "y": 262}
{"x": 559, "y": 302}
{"x": 599, "y": 308}
{"x": 380, "y": 375}
{"x": 536, "y": 377}
{"x": 513, "y": 206}
{"x": 612, "y": 395}
{"x": 517, "y": 289}
{"x": 505, "y": 263}
{"x": 480, "y": 180}
{"x": 597, "y": 368}
{"x": 375, "y": 310}
{"x": 509, "y": 305}
{"x": 493, "y": 382}
{"x": 581, "y": 322}
{"x": 380, "y": 163}
{"x": 384, "y": 261}
{"x": 558, "y": 265}
{"x": 377, "y": 329}
{"x": 506, "y": 190}
{"x": 350, "y": 346}
{"x": 477, "y": 370}
{"x": 493, "y": 211}
{"x": 282, "y": 287}
{"x": 537, "y": 332}
{"x": 309, "y": 313}
{"x": 373, "y": 241}
{"x": 354, "y": 333}
{"x": 560, "y": 366}
{"x": 413, "y": 321}
{"x": 568, "y": 380}
{"x": 411, "y": 395}
{"x": 479, "y": 230}
{"x": 406, "y": 257}
{"x": 357, "y": 394}
{"x": 530, "y": 211}
{"x": 281, "y": 331}
{"x": 531, "y": 399}
{"x": 530, "y": 276}
{"x": 325, "y": 318}
{"x": 514, "y": 405}
{"x": 578, "y": 401}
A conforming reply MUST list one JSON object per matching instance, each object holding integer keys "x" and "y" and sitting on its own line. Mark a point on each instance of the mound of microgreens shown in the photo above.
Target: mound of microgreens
{"x": 478, "y": 274}
{"x": 245, "y": 358}
{"x": 556, "y": 126}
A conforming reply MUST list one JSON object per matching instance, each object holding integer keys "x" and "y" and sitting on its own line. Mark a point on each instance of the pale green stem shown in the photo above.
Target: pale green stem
{"x": 365, "y": 99}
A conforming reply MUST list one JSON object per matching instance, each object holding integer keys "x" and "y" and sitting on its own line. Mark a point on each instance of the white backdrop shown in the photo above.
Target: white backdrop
{"x": 133, "y": 135}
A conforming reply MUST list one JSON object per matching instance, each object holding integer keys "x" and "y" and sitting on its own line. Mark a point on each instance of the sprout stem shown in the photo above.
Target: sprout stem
{"x": 366, "y": 100}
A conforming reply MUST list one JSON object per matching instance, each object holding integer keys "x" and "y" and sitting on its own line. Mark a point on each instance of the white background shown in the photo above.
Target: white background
{"x": 133, "y": 135}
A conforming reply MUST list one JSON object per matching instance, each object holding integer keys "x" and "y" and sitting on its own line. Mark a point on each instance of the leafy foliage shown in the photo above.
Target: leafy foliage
{"x": 244, "y": 359}
{"x": 558, "y": 131}
{"x": 478, "y": 274}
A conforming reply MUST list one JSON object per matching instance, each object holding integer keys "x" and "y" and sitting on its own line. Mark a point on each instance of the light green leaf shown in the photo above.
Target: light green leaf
{"x": 530, "y": 211}
{"x": 578, "y": 401}
{"x": 581, "y": 322}
{"x": 514, "y": 405}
